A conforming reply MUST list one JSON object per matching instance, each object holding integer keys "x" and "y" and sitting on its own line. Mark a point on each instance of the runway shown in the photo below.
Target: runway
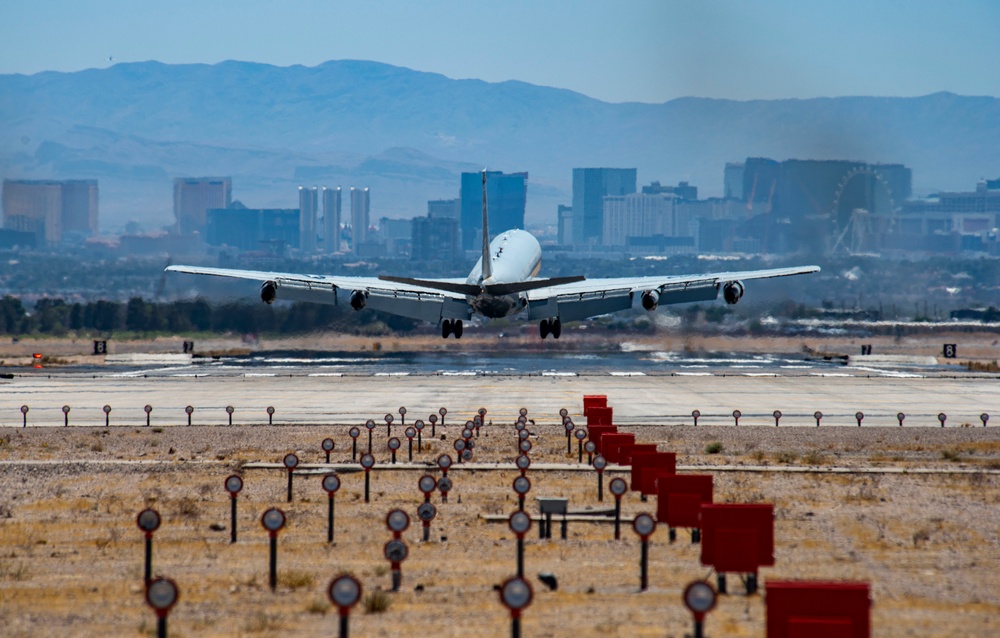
{"x": 637, "y": 400}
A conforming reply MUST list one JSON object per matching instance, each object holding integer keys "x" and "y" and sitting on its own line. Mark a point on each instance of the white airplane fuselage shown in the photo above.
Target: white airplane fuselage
{"x": 515, "y": 256}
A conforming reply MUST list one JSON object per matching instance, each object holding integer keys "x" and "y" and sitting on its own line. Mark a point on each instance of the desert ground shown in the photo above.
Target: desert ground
{"x": 71, "y": 556}
{"x": 913, "y": 511}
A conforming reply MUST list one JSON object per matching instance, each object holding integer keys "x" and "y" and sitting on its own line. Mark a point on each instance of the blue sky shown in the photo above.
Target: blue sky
{"x": 637, "y": 50}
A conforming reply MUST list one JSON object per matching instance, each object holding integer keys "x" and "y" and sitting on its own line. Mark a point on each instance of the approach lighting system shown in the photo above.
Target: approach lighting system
{"x": 522, "y": 485}
{"x": 161, "y": 595}
{"x": 397, "y": 521}
{"x": 516, "y": 595}
{"x": 148, "y": 521}
{"x": 599, "y": 464}
{"x": 426, "y": 513}
{"x": 427, "y": 484}
{"x": 699, "y": 598}
{"x": 523, "y": 462}
{"x": 234, "y": 484}
{"x": 618, "y": 487}
{"x": 367, "y": 463}
{"x": 331, "y": 483}
{"x": 344, "y": 592}
{"x": 291, "y": 461}
{"x": 273, "y": 520}
{"x": 644, "y": 525}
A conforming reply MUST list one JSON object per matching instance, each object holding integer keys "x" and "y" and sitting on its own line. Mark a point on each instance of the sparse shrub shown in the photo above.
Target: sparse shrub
{"x": 17, "y": 573}
{"x": 715, "y": 447}
{"x": 921, "y": 535}
{"x": 259, "y": 623}
{"x": 296, "y": 578}
{"x": 318, "y": 606}
{"x": 376, "y": 602}
{"x": 814, "y": 457}
{"x": 381, "y": 570}
{"x": 786, "y": 457}
{"x": 951, "y": 455}
{"x": 187, "y": 507}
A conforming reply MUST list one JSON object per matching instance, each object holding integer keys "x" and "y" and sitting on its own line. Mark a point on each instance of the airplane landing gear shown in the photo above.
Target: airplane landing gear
{"x": 550, "y": 327}
{"x": 449, "y": 327}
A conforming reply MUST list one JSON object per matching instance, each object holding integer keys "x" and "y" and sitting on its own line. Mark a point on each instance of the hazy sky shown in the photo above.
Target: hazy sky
{"x": 639, "y": 50}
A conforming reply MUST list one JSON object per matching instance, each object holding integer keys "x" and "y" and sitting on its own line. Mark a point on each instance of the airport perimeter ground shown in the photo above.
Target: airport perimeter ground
{"x": 927, "y": 539}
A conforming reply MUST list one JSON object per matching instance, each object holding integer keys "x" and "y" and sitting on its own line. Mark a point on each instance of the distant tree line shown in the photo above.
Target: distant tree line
{"x": 57, "y": 317}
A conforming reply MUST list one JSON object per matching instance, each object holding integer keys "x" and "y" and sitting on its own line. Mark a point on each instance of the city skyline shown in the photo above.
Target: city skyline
{"x": 647, "y": 51}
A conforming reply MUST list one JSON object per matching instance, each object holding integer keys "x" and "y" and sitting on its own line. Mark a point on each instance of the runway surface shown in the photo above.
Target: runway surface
{"x": 645, "y": 388}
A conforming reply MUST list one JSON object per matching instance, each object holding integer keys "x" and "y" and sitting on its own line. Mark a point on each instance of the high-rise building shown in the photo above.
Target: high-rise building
{"x": 732, "y": 180}
{"x": 446, "y": 208}
{"x": 506, "y": 194}
{"x": 590, "y": 187}
{"x": 435, "y": 239}
{"x": 254, "y": 229}
{"x": 360, "y": 208}
{"x": 195, "y": 195}
{"x": 565, "y": 220}
{"x": 642, "y": 215}
{"x": 52, "y": 210}
{"x": 331, "y": 220}
{"x": 308, "y": 207}
{"x": 683, "y": 190}
{"x": 79, "y": 207}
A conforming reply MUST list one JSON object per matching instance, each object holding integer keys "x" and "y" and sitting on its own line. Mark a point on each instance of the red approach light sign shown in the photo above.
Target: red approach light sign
{"x": 647, "y": 466}
{"x": 627, "y": 452}
{"x": 595, "y": 432}
{"x": 737, "y": 538}
{"x": 600, "y": 416}
{"x": 679, "y": 498}
{"x": 818, "y": 609}
{"x": 611, "y": 445}
{"x": 594, "y": 401}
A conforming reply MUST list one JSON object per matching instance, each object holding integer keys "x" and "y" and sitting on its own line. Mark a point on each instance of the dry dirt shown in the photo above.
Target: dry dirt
{"x": 71, "y": 556}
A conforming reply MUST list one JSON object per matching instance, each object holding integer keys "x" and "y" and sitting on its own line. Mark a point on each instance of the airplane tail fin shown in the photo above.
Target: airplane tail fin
{"x": 487, "y": 259}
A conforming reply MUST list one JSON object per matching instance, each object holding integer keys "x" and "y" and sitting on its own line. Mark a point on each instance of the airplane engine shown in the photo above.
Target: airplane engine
{"x": 358, "y": 299}
{"x": 732, "y": 292}
{"x": 268, "y": 292}
{"x": 650, "y": 300}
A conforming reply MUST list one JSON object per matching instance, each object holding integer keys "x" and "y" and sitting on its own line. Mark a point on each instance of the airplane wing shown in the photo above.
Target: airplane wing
{"x": 403, "y": 299}
{"x": 592, "y": 297}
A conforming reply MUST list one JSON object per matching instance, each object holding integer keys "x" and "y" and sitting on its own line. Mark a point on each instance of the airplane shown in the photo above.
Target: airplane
{"x": 504, "y": 282}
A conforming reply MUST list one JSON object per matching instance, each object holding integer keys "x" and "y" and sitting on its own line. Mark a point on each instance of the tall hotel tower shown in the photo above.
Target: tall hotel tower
{"x": 360, "y": 202}
{"x": 331, "y": 219}
{"x": 308, "y": 206}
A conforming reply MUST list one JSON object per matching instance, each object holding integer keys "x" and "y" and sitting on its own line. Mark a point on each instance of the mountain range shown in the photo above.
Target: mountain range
{"x": 408, "y": 134}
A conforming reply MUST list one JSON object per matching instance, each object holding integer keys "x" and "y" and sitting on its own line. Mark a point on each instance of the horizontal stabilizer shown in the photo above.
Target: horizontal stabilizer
{"x": 446, "y": 286}
{"x": 533, "y": 284}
